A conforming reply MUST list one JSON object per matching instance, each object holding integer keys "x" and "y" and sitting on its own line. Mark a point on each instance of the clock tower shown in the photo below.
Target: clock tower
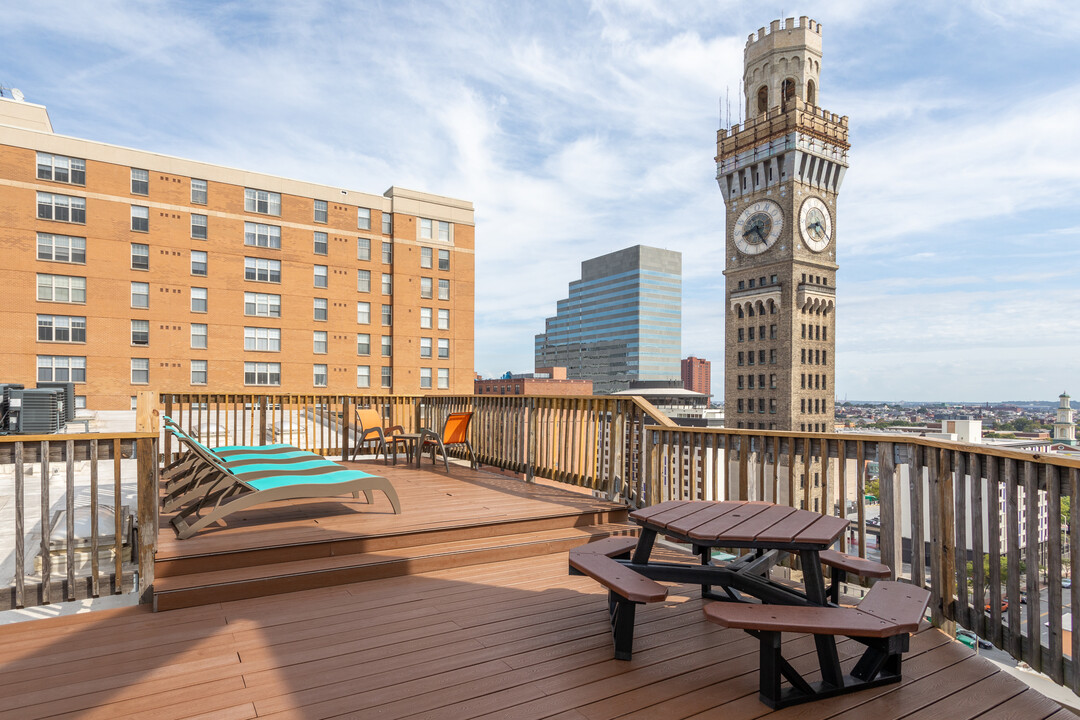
{"x": 779, "y": 174}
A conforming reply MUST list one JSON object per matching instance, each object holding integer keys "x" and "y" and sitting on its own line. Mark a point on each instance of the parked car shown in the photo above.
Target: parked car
{"x": 1066, "y": 582}
{"x": 971, "y": 639}
{"x": 1004, "y": 606}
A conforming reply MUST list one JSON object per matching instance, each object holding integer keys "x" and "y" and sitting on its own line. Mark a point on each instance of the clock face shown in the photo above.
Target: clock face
{"x": 815, "y": 224}
{"x": 758, "y": 227}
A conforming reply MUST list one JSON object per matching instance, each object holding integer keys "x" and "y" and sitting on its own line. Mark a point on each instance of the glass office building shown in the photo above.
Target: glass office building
{"x": 622, "y": 321}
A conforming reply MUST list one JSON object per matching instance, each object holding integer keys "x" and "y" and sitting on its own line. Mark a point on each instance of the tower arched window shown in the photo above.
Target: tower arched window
{"x": 762, "y": 99}
{"x": 811, "y": 92}
{"x": 787, "y": 90}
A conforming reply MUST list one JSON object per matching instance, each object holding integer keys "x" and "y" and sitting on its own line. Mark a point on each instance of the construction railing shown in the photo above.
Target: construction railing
{"x": 975, "y": 524}
{"x": 85, "y": 515}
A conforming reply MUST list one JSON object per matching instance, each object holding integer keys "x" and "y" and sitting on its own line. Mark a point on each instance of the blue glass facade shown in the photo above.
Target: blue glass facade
{"x": 622, "y": 321}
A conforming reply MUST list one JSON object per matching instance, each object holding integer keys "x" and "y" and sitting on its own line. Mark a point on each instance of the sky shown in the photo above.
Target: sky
{"x": 580, "y": 128}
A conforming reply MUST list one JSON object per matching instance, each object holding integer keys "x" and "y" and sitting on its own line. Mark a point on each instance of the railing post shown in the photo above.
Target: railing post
{"x": 346, "y": 424}
{"x": 168, "y": 436}
{"x": 948, "y": 542}
{"x": 891, "y": 542}
{"x": 147, "y": 489}
{"x": 262, "y": 419}
{"x": 146, "y": 411}
{"x": 530, "y": 441}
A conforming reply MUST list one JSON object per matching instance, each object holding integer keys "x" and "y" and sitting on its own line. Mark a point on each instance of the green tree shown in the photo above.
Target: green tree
{"x": 873, "y": 487}
{"x": 986, "y": 569}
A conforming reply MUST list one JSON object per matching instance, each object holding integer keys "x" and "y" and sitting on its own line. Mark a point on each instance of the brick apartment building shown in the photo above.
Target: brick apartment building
{"x": 697, "y": 375}
{"x": 127, "y": 269}
{"x": 545, "y": 381}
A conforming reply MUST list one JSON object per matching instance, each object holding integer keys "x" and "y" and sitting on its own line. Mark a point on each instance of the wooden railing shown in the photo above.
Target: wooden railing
{"x": 593, "y": 442}
{"x": 943, "y": 505}
{"x": 97, "y": 467}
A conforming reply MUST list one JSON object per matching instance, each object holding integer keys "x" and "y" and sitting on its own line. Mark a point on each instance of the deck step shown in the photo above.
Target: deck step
{"x": 236, "y": 583}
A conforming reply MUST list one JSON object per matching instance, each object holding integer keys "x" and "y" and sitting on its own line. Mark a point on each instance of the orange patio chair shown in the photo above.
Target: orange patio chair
{"x": 455, "y": 432}
{"x": 369, "y": 429}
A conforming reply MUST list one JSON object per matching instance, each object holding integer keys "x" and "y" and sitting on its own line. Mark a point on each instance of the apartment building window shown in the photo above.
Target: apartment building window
{"x": 761, "y": 405}
{"x": 740, "y": 335}
{"x": 772, "y": 406}
{"x": 802, "y": 356}
{"x": 140, "y": 295}
{"x": 386, "y": 377}
{"x": 318, "y": 373}
{"x": 824, "y": 383}
{"x": 802, "y": 405}
{"x": 739, "y": 406}
{"x": 444, "y": 348}
{"x": 262, "y": 201}
{"x": 61, "y": 329}
{"x": 363, "y": 344}
{"x": 321, "y": 244}
{"x": 319, "y": 342}
{"x": 198, "y": 192}
{"x": 320, "y": 211}
{"x": 739, "y": 310}
{"x": 772, "y": 332}
{"x": 363, "y": 281}
{"x": 387, "y": 223}
{"x": 140, "y": 182}
{"x": 761, "y": 357}
{"x": 425, "y": 229}
{"x": 750, "y": 381}
{"x": 198, "y": 227}
{"x": 140, "y": 218}
{"x": 140, "y": 371}
{"x": 425, "y": 288}
{"x": 198, "y": 336}
{"x": 430, "y": 229}
{"x": 387, "y": 253}
{"x": 387, "y": 346}
{"x": 387, "y": 315}
{"x": 802, "y": 381}
{"x": 198, "y": 263}
{"x": 140, "y": 332}
{"x": 363, "y": 313}
{"x": 387, "y": 284}
{"x": 61, "y": 208}
{"x": 61, "y": 248}
{"x": 262, "y": 270}
{"x": 363, "y": 376}
{"x": 140, "y": 256}
{"x": 363, "y": 218}
{"x": 61, "y": 368}
{"x": 60, "y": 168}
{"x": 262, "y": 373}
{"x": 443, "y": 378}
{"x": 750, "y": 358}
{"x": 198, "y": 372}
{"x": 739, "y": 382}
{"x": 444, "y": 289}
{"x": 319, "y": 309}
{"x": 258, "y": 339}
{"x": 320, "y": 278}
{"x": 772, "y": 357}
{"x": 262, "y": 235}
{"x": 425, "y": 347}
{"x": 444, "y": 319}
{"x": 444, "y": 259}
{"x": 363, "y": 249}
{"x": 198, "y": 300}
{"x": 824, "y": 332}
{"x": 425, "y": 257}
{"x": 262, "y": 305}
{"x": 824, "y": 357}
{"x": 425, "y": 317}
{"x": 425, "y": 378}
{"x": 742, "y": 360}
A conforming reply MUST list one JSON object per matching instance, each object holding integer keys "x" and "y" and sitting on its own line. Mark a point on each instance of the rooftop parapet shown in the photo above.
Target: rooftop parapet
{"x": 805, "y": 23}
{"x": 795, "y": 115}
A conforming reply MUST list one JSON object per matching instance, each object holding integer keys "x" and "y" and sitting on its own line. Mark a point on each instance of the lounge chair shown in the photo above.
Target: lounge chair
{"x": 455, "y": 432}
{"x": 369, "y": 429}
{"x": 218, "y": 491}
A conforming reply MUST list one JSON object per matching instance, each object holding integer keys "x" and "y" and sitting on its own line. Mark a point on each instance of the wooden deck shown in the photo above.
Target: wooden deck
{"x": 517, "y": 639}
{"x": 466, "y": 517}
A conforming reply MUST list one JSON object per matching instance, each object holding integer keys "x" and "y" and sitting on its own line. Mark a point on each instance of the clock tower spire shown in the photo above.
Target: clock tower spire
{"x": 779, "y": 173}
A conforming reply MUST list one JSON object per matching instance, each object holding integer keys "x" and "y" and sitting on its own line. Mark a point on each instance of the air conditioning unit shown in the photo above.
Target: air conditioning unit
{"x": 69, "y": 397}
{"x": 37, "y": 411}
{"x": 5, "y": 399}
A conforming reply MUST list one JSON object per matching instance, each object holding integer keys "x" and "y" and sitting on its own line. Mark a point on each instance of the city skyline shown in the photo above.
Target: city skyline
{"x": 578, "y": 130}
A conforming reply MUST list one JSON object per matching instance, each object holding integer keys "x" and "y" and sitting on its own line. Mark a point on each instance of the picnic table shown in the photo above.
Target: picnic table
{"x": 750, "y": 599}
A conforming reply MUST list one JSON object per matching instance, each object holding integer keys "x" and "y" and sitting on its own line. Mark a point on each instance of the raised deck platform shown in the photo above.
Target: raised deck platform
{"x": 464, "y": 518}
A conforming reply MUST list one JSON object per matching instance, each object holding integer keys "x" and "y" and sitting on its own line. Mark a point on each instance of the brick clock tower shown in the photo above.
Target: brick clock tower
{"x": 779, "y": 173}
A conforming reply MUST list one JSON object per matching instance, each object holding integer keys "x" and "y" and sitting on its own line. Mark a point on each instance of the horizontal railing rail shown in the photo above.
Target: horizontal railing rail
{"x": 63, "y": 517}
{"x": 975, "y": 524}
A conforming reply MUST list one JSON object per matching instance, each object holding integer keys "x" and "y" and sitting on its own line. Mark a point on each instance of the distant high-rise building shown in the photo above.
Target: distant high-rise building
{"x": 780, "y": 173}
{"x": 622, "y": 321}
{"x": 697, "y": 375}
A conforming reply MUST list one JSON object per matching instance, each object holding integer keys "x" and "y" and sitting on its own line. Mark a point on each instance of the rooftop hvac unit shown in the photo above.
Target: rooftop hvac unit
{"x": 69, "y": 397}
{"x": 37, "y": 411}
{"x": 5, "y": 398}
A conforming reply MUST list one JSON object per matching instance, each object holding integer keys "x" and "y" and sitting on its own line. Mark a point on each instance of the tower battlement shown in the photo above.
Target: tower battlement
{"x": 805, "y": 25}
